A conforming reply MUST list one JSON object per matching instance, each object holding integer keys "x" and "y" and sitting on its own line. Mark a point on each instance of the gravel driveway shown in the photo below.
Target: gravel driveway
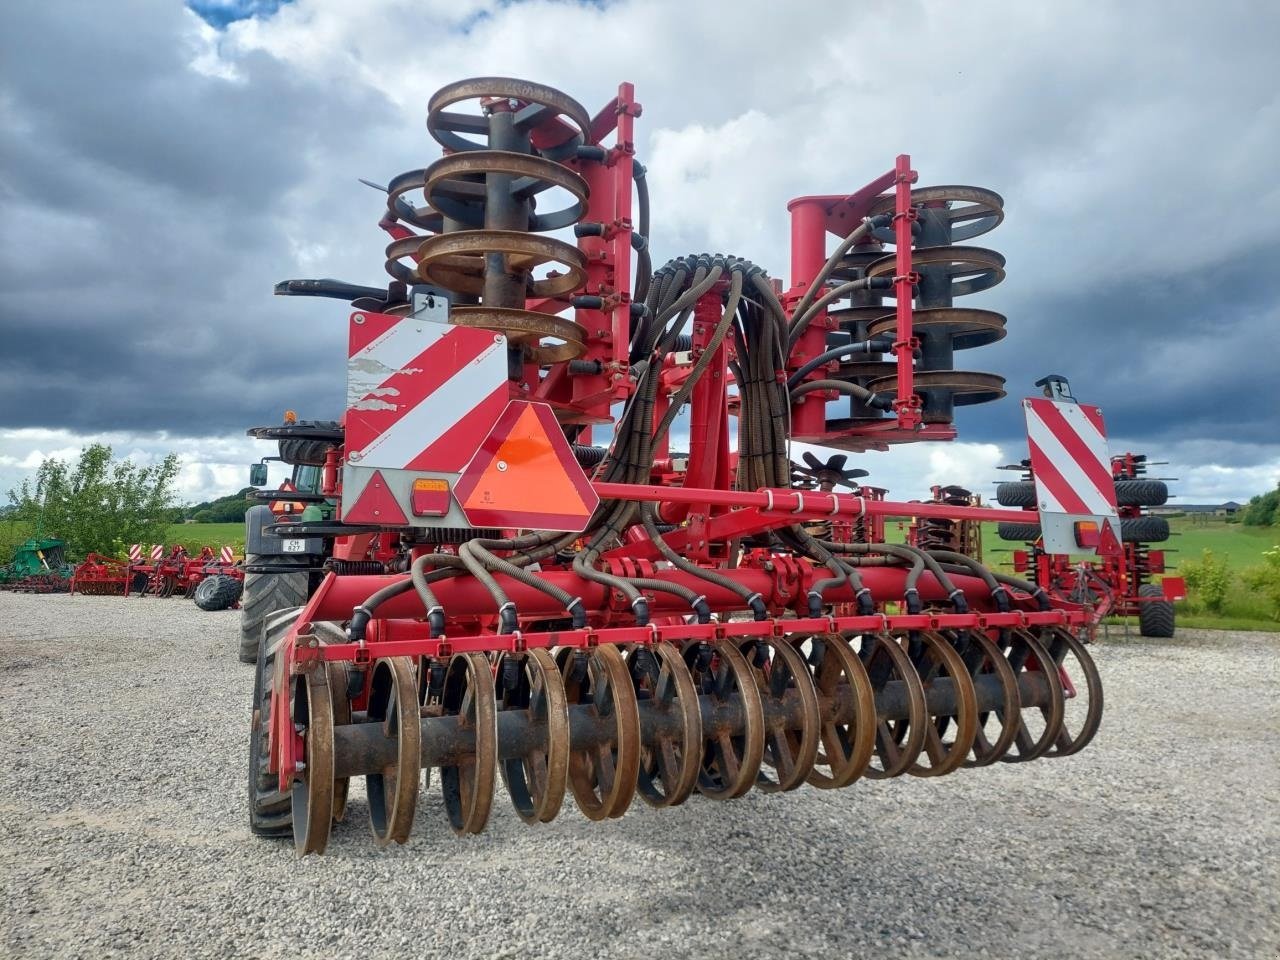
{"x": 122, "y": 829}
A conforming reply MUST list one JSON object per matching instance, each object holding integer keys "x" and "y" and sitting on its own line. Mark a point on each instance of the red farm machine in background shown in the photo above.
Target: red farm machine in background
{"x": 212, "y": 579}
{"x": 1125, "y": 583}
{"x": 513, "y": 564}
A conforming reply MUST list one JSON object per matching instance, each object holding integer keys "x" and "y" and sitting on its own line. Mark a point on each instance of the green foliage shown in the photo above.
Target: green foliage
{"x": 1266, "y": 580}
{"x": 228, "y": 509}
{"x": 1263, "y": 510}
{"x": 98, "y": 502}
{"x": 1209, "y": 580}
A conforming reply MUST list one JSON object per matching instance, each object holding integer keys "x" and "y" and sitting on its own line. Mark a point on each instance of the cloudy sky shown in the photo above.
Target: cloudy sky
{"x": 163, "y": 165}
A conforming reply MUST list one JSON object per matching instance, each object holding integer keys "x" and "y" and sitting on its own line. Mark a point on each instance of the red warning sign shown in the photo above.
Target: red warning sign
{"x": 376, "y": 504}
{"x": 525, "y": 475}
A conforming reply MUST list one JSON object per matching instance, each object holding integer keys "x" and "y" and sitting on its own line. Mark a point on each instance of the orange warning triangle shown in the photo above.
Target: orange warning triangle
{"x": 525, "y": 475}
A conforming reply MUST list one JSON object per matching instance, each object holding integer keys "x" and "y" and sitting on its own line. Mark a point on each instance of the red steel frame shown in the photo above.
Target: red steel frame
{"x": 712, "y": 514}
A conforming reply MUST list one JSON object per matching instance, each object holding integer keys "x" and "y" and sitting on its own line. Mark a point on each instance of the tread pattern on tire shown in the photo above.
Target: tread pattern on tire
{"x": 1016, "y": 493}
{"x": 1025, "y": 532}
{"x": 1155, "y": 617}
{"x": 1141, "y": 493}
{"x": 218, "y": 592}
{"x": 265, "y": 594}
{"x": 270, "y": 809}
{"x": 1132, "y": 530}
{"x": 308, "y": 451}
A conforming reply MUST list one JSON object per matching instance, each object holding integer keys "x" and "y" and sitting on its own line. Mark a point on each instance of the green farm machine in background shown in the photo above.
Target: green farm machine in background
{"x": 39, "y": 566}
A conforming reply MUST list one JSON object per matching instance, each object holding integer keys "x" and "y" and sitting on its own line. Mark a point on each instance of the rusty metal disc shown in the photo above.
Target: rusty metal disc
{"x": 847, "y": 711}
{"x": 456, "y": 186}
{"x": 603, "y": 778}
{"x": 341, "y": 717}
{"x": 1079, "y": 723}
{"x": 996, "y": 728}
{"x": 669, "y": 765}
{"x": 940, "y": 667}
{"x": 970, "y": 269}
{"x": 1030, "y": 658}
{"x": 850, "y": 317}
{"x": 312, "y": 792}
{"x": 537, "y": 780}
{"x": 422, "y": 217}
{"x": 966, "y": 327}
{"x": 539, "y": 104}
{"x": 899, "y": 740}
{"x": 972, "y": 211}
{"x": 527, "y": 328}
{"x": 467, "y": 783}
{"x": 456, "y": 261}
{"x": 965, "y": 387}
{"x": 730, "y": 757}
{"x": 780, "y": 671}
{"x": 393, "y": 792}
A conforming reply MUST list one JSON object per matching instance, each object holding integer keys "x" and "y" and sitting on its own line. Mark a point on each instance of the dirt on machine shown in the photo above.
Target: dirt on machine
{"x": 557, "y": 540}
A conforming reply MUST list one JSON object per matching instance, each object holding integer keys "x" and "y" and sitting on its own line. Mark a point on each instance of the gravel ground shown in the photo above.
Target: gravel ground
{"x": 122, "y": 829}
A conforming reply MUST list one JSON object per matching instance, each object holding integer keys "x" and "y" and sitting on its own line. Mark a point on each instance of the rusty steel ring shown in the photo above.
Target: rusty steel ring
{"x": 983, "y": 209}
{"x": 965, "y": 387}
{"x": 970, "y": 269}
{"x": 445, "y": 127}
{"x": 966, "y": 327}
{"x": 456, "y": 261}
{"x": 312, "y": 794}
{"x": 946, "y": 665}
{"x": 455, "y": 186}
{"x": 402, "y": 209}
{"x": 526, "y": 328}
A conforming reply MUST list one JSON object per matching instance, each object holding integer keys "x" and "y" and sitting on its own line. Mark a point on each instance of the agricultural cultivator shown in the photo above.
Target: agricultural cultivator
{"x": 39, "y": 565}
{"x": 524, "y": 571}
{"x": 1123, "y": 584}
{"x": 212, "y": 579}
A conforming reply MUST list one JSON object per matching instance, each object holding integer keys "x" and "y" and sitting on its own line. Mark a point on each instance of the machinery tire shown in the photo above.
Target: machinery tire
{"x": 309, "y": 451}
{"x": 1016, "y": 493}
{"x": 1025, "y": 532}
{"x": 1155, "y": 617}
{"x": 265, "y": 594}
{"x": 270, "y": 809}
{"x": 218, "y": 592}
{"x": 1141, "y": 493}
{"x": 1144, "y": 530}
{"x": 1132, "y": 530}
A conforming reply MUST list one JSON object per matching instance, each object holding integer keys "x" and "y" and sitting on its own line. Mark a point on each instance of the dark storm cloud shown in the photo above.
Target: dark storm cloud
{"x": 144, "y": 209}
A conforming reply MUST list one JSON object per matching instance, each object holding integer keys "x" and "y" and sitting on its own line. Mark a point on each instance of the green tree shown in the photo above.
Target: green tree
{"x": 1266, "y": 580}
{"x": 1208, "y": 580}
{"x": 98, "y": 501}
{"x": 1263, "y": 510}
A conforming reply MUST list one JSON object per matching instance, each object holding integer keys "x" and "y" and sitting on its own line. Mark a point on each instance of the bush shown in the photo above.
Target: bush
{"x": 1266, "y": 580}
{"x": 99, "y": 502}
{"x": 1262, "y": 510}
{"x": 1208, "y": 579}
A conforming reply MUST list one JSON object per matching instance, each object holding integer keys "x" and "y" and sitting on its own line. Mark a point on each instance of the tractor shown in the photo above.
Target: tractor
{"x": 557, "y": 539}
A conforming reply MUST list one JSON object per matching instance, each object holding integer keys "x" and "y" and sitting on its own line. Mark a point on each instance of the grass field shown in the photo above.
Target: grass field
{"x": 193, "y": 536}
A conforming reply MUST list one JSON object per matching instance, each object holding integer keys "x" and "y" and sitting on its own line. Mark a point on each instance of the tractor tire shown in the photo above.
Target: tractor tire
{"x": 270, "y": 809}
{"x": 1024, "y": 532}
{"x": 1155, "y": 617}
{"x": 1133, "y": 530}
{"x": 217, "y": 592}
{"x": 1141, "y": 493}
{"x": 265, "y": 594}
{"x": 310, "y": 451}
{"x": 1016, "y": 493}
{"x": 1144, "y": 530}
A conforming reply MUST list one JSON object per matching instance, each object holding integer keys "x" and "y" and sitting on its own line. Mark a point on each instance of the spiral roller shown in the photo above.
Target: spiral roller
{"x": 481, "y": 212}
{"x": 956, "y": 536}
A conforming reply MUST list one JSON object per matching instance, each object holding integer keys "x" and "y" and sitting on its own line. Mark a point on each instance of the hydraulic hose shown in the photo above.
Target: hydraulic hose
{"x": 837, "y": 353}
{"x": 840, "y": 386}
{"x": 752, "y": 600}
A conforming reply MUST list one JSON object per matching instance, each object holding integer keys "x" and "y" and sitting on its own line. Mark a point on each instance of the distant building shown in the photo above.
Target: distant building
{"x": 1228, "y": 509}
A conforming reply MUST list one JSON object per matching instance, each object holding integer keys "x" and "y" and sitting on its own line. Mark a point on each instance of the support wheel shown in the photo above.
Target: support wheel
{"x": 669, "y": 766}
{"x": 393, "y": 792}
{"x": 270, "y": 808}
{"x": 467, "y": 784}
{"x": 312, "y": 793}
{"x": 603, "y": 778}
{"x": 1155, "y": 613}
{"x": 537, "y": 781}
{"x": 730, "y": 762}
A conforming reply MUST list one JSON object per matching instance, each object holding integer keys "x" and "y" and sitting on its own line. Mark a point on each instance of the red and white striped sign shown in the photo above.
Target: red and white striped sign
{"x": 157, "y": 552}
{"x": 1069, "y": 457}
{"x": 135, "y": 552}
{"x": 227, "y": 555}
{"x": 421, "y": 394}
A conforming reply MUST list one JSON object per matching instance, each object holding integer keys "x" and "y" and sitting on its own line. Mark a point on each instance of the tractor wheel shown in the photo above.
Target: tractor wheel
{"x": 1144, "y": 530}
{"x": 309, "y": 451}
{"x": 1016, "y": 493}
{"x": 217, "y": 592}
{"x": 1025, "y": 532}
{"x": 1155, "y": 617}
{"x": 1141, "y": 493}
{"x": 265, "y": 594}
{"x": 270, "y": 808}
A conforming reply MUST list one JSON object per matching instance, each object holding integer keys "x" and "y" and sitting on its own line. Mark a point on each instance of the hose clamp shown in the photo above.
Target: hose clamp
{"x": 799, "y": 503}
{"x": 835, "y": 503}
{"x": 768, "y": 502}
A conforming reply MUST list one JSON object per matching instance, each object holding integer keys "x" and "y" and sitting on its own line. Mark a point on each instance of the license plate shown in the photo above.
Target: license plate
{"x": 295, "y": 546}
